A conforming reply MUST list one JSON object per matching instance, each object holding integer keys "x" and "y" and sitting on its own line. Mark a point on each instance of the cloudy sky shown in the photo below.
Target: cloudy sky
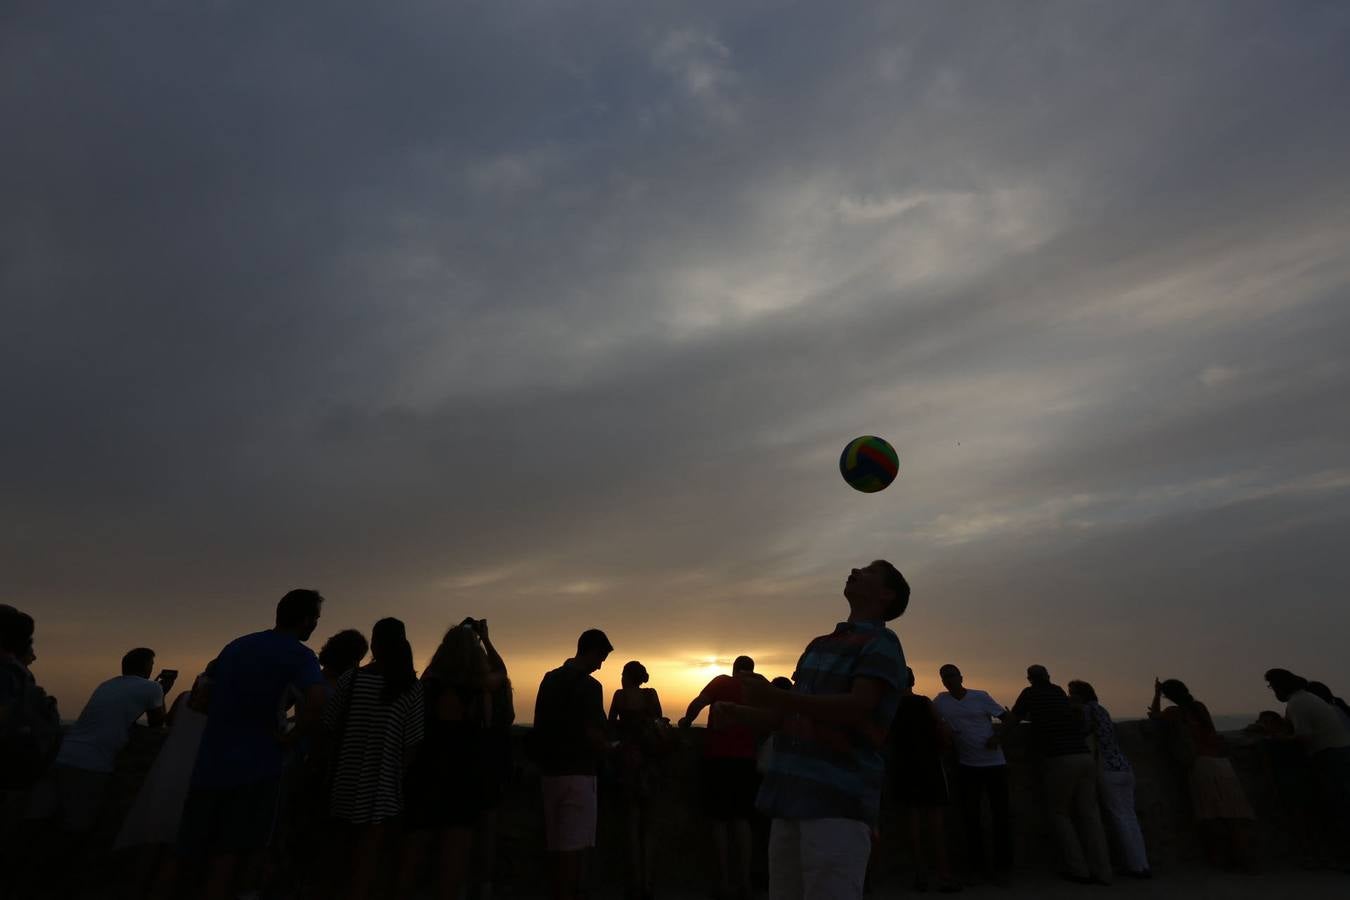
{"x": 560, "y": 314}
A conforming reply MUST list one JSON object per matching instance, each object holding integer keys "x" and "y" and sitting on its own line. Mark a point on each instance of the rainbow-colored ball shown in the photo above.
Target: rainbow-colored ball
{"x": 869, "y": 464}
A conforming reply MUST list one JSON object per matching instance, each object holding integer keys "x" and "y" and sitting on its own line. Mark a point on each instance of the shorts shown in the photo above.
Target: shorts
{"x": 729, "y": 785}
{"x": 569, "y": 812}
{"x": 70, "y": 796}
{"x": 235, "y": 819}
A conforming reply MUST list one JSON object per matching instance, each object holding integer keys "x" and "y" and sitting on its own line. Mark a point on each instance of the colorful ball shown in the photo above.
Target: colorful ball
{"x": 869, "y": 464}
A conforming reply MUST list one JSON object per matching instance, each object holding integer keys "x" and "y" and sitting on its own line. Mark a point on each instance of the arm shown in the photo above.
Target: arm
{"x": 156, "y": 717}
{"x": 1155, "y": 708}
{"x": 614, "y": 708}
{"x": 595, "y": 725}
{"x": 754, "y": 718}
{"x": 696, "y": 706}
{"x": 495, "y": 662}
{"x": 154, "y": 712}
{"x": 311, "y": 713}
{"x": 852, "y": 708}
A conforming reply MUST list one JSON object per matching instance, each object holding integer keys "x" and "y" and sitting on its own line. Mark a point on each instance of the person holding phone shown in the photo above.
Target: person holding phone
{"x": 73, "y": 791}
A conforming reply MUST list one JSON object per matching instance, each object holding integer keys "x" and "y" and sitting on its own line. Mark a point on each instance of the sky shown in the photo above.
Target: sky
{"x": 559, "y": 314}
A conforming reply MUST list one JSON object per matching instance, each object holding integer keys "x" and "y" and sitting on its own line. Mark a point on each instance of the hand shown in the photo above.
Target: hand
{"x": 1157, "y": 686}
{"x": 685, "y": 722}
{"x": 480, "y": 627}
{"x": 166, "y": 680}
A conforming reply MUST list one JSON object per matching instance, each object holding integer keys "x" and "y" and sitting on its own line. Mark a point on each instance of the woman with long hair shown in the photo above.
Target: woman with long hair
{"x": 446, "y": 781}
{"x": 375, "y": 717}
{"x": 1217, "y": 799}
{"x": 635, "y": 714}
{"x": 1115, "y": 780}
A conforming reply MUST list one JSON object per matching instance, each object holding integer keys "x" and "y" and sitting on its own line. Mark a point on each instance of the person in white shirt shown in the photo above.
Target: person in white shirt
{"x": 1319, "y": 727}
{"x": 72, "y": 792}
{"x": 982, "y": 771}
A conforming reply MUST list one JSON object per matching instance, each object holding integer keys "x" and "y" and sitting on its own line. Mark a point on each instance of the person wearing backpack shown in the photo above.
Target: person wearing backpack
{"x": 30, "y": 726}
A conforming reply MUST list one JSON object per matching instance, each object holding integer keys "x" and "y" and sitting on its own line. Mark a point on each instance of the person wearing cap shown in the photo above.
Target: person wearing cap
{"x": 728, "y": 777}
{"x": 822, "y": 784}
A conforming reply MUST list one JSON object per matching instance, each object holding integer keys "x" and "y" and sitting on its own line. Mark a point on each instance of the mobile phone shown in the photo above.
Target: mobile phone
{"x": 167, "y": 673}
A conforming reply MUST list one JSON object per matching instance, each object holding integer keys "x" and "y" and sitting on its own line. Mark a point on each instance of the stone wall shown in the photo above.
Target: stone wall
{"x": 685, "y": 853}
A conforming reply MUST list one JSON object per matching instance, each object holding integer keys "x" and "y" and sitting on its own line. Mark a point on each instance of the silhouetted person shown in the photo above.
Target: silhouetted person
{"x": 73, "y": 792}
{"x": 782, "y": 682}
{"x": 1318, "y": 727}
{"x": 1217, "y": 799}
{"x": 500, "y": 763}
{"x": 447, "y": 786}
{"x": 376, "y": 717}
{"x": 919, "y": 782}
{"x": 341, "y": 653}
{"x": 302, "y": 820}
{"x": 569, "y": 738}
{"x": 636, "y": 720}
{"x": 825, "y": 771}
{"x": 981, "y": 770}
{"x": 728, "y": 779}
{"x": 1115, "y": 779}
{"x": 230, "y": 809}
{"x": 30, "y": 726}
{"x": 1059, "y": 733}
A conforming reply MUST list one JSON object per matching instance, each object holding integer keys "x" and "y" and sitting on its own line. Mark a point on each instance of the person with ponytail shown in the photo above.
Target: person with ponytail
{"x": 376, "y": 722}
{"x": 1217, "y": 798}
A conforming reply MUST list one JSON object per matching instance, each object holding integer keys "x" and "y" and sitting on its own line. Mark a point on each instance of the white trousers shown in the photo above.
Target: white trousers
{"x": 1117, "y": 789}
{"x": 818, "y": 859}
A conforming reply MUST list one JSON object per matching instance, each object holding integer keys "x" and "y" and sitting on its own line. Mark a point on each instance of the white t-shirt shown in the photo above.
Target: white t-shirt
{"x": 1318, "y": 720}
{"x": 93, "y": 741}
{"x": 971, "y": 722}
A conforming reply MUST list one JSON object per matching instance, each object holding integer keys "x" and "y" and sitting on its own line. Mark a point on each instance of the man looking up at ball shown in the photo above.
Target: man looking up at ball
{"x": 822, "y": 784}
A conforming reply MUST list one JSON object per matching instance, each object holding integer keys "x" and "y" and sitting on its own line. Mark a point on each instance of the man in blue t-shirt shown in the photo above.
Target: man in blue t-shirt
{"x": 230, "y": 808}
{"x": 824, "y": 772}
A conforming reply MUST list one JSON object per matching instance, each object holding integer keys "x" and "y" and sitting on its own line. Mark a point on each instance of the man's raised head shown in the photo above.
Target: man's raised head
{"x": 742, "y": 665}
{"x": 877, "y": 590}
{"x": 1038, "y": 675}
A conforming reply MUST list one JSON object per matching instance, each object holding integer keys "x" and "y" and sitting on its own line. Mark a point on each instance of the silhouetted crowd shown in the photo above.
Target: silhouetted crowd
{"x": 285, "y": 773}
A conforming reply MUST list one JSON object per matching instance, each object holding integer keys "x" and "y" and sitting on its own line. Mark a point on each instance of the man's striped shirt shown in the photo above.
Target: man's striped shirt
{"x": 817, "y": 770}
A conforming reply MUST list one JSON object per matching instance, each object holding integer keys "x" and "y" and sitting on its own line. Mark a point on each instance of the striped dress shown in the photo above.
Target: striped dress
{"x": 374, "y": 741}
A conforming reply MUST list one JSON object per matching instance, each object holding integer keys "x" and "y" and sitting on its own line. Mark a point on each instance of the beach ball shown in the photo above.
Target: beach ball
{"x": 869, "y": 464}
